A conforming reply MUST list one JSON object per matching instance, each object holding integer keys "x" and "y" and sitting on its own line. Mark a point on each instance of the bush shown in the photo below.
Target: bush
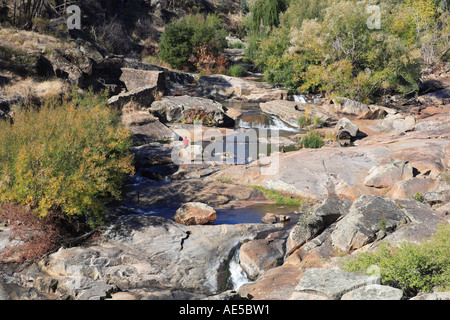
{"x": 282, "y": 199}
{"x": 183, "y": 38}
{"x": 414, "y": 268}
{"x": 312, "y": 140}
{"x": 70, "y": 156}
{"x": 237, "y": 70}
{"x": 327, "y": 47}
{"x": 304, "y": 121}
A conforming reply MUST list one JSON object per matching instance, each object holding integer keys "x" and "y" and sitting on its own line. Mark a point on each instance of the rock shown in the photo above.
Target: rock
{"x": 221, "y": 87}
{"x": 10, "y": 290}
{"x": 424, "y": 222}
{"x": 440, "y": 197}
{"x": 374, "y": 292}
{"x": 274, "y": 284}
{"x": 307, "y": 296}
{"x": 354, "y": 108}
{"x": 124, "y": 296}
{"x": 331, "y": 172}
{"x": 440, "y": 97}
{"x": 136, "y": 80}
{"x": 272, "y": 218}
{"x": 290, "y": 111}
{"x": 366, "y": 217}
{"x": 308, "y": 226}
{"x": 386, "y": 175}
{"x": 332, "y": 284}
{"x": 225, "y": 296}
{"x": 346, "y": 129}
{"x": 91, "y": 52}
{"x": 174, "y": 108}
{"x": 143, "y": 97}
{"x": 407, "y": 189}
{"x": 193, "y": 213}
{"x": 433, "y": 296}
{"x": 257, "y": 256}
{"x": 146, "y": 128}
{"x": 331, "y": 209}
{"x": 85, "y": 288}
{"x": 143, "y": 251}
{"x": 71, "y": 64}
{"x": 395, "y": 123}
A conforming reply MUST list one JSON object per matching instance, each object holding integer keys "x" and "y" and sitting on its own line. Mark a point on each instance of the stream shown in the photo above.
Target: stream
{"x": 252, "y": 118}
{"x": 237, "y": 212}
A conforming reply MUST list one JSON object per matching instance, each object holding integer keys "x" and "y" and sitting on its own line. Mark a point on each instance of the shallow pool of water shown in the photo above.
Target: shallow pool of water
{"x": 248, "y": 214}
{"x": 252, "y": 214}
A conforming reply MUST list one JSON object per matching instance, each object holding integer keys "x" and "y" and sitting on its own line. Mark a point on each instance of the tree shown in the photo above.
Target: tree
{"x": 266, "y": 13}
{"x": 184, "y": 38}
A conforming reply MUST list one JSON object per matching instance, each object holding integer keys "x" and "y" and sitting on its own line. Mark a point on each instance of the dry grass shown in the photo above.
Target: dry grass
{"x": 30, "y": 41}
{"x": 32, "y": 89}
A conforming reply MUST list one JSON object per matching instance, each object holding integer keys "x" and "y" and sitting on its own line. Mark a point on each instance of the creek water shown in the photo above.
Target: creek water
{"x": 252, "y": 118}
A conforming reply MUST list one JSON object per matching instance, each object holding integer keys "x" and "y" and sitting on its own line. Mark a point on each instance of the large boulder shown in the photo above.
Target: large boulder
{"x": 220, "y": 87}
{"x": 310, "y": 225}
{"x": 145, "y": 127}
{"x": 290, "y": 111}
{"x": 374, "y": 292}
{"x": 346, "y": 129}
{"x": 332, "y": 284}
{"x": 407, "y": 189}
{"x": 135, "y": 79}
{"x": 366, "y": 218}
{"x": 395, "y": 123}
{"x": 357, "y": 109}
{"x": 71, "y": 64}
{"x": 178, "y": 108}
{"x": 141, "y": 96}
{"x": 257, "y": 256}
{"x": 386, "y": 175}
{"x": 193, "y": 213}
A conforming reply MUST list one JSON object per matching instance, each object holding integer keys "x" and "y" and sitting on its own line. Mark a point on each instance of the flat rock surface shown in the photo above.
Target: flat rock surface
{"x": 332, "y": 284}
{"x": 153, "y": 253}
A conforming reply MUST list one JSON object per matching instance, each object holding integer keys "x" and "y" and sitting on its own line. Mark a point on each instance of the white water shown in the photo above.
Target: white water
{"x": 300, "y": 99}
{"x": 237, "y": 275}
{"x": 275, "y": 124}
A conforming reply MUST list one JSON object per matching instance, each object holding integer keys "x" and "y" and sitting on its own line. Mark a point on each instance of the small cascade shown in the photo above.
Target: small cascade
{"x": 237, "y": 275}
{"x": 300, "y": 98}
{"x": 268, "y": 122}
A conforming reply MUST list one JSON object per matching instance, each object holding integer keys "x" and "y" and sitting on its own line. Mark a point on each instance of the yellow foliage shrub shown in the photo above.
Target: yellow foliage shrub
{"x": 70, "y": 156}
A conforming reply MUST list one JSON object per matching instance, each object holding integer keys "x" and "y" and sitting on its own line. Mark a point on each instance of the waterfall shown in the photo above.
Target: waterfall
{"x": 237, "y": 275}
{"x": 300, "y": 99}
{"x": 271, "y": 123}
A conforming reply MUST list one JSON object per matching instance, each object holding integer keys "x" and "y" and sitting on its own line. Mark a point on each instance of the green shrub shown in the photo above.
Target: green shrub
{"x": 418, "y": 197}
{"x": 281, "y": 199}
{"x": 411, "y": 267}
{"x": 312, "y": 140}
{"x": 184, "y": 37}
{"x": 70, "y": 156}
{"x": 327, "y": 47}
{"x": 303, "y": 121}
{"x": 237, "y": 70}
